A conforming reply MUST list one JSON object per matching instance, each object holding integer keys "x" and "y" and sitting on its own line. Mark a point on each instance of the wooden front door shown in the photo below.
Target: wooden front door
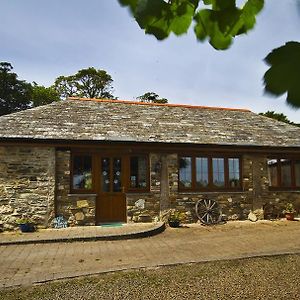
{"x": 111, "y": 200}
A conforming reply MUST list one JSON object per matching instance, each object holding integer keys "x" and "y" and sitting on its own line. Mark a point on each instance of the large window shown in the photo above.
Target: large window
{"x": 82, "y": 172}
{"x": 138, "y": 172}
{"x": 209, "y": 173}
{"x": 97, "y": 172}
{"x": 284, "y": 173}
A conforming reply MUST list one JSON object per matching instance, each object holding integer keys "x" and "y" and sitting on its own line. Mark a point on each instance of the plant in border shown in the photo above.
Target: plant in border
{"x": 289, "y": 211}
{"x": 26, "y": 224}
{"x": 175, "y": 218}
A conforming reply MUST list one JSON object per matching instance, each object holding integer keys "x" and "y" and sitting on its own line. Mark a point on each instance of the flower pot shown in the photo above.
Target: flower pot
{"x": 289, "y": 216}
{"x": 174, "y": 224}
{"x": 27, "y": 227}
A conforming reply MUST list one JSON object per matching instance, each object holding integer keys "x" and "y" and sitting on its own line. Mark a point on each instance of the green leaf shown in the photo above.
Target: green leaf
{"x": 283, "y": 75}
{"x": 225, "y": 21}
{"x": 130, "y": 3}
{"x": 219, "y": 23}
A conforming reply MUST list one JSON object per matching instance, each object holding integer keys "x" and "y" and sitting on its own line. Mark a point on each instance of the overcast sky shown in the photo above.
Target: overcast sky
{"x": 45, "y": 39}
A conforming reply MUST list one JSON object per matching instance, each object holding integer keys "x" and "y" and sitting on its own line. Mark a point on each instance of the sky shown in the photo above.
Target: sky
{"x": 46, "y": 39}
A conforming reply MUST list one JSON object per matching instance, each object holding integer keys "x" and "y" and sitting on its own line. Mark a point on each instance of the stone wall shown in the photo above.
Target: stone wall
{"x": 27, "y": 185}
{"x": 255, "y": 195}
{"x": 76, "y": 209}
{"x": 31, "y": 177}
{"x": 163, "y": 195}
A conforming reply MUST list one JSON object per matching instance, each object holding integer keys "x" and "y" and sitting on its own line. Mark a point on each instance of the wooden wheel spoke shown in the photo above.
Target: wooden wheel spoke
{"x": 208, "y": 211}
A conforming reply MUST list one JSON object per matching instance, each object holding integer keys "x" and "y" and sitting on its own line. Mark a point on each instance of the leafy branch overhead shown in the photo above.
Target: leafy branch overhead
{"x": 219, "y": 21}
{"x": 283, "y": 75}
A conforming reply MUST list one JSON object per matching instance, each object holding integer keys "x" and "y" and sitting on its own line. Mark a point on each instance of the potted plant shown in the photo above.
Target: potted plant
{"x": 26, "y": 224}
{"x": 175, "y": 218}
{"x": 289, "y": 212}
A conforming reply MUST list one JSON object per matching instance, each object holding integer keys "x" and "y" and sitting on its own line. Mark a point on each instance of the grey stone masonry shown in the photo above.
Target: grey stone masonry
{"x": 27, "y": 184}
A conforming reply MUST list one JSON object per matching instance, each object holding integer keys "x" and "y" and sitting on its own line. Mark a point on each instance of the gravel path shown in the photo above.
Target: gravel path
{"x": 276, "y": 277}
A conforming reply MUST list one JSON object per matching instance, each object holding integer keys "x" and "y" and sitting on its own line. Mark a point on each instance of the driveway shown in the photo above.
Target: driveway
{"x": 33, "y": 263}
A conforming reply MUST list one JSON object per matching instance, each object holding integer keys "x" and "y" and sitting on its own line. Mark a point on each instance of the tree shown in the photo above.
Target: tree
{"x": 151, "y": 97}
{"x": 90, "y": 83}
{"x": 220, "y": 21}
{"x": 15, "y": 94}
{"x": 278, "y": 116}
{"x": 41, "y": 95}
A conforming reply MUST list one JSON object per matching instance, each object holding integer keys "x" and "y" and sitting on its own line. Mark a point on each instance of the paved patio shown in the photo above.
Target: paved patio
{"x": 83, "y": 233}
{"x": 26, "y": 264}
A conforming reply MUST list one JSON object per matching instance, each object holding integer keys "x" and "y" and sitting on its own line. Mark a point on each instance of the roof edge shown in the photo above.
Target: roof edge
{"x": 158, "y": 104}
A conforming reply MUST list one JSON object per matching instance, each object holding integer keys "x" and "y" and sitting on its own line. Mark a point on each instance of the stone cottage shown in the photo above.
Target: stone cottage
{"x": 94, "y": 161}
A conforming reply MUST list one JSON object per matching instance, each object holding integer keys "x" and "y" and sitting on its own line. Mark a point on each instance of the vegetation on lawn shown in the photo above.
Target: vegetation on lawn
{"x": 276, "y": 277}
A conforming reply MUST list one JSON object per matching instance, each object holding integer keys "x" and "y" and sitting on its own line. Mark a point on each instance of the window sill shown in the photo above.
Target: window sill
{"x": 82, "y": 195}
{"x": 213, "y": 192}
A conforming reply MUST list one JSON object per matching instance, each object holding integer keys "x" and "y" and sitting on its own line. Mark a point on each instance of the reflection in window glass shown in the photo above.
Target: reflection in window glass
{"x": 273, "y": 172}
{"x": 185, "y": 172}
{"x": 105, "y": 174}
{"x": 297, "y": 172}
{"x": 218, "y": 172}
{"x": 201, "y": 171}
{"x": 82, "y": 172}
{"x": 286, "y": 175}
{"x": 117, "y": 170}
{"x": 234, "y": 172}
{"x": 138, "y": 172}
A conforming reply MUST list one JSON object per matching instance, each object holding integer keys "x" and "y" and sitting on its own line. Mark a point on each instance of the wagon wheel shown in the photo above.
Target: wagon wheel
{"x": 208, "y": 211}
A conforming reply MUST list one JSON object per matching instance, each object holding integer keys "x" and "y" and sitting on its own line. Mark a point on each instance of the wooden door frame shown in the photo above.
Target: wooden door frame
{"x": 98, "y": 185}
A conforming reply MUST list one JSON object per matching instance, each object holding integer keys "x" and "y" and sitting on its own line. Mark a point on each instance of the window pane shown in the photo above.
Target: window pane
{"x": 234, "y": 172}
{"x": 273, "y": 172}
{"x": 117, "y": 170}
{"x": 201, "y": 171}
{"x": 105, "y": 174}
{"x": 138, "y": 172}
{"x": 82, "y": 172}
{"x": 286, "y": 175}
{"x": 297, "y": 172}
{"x": 218, "y": 172}
{"x": 185, "y": 172}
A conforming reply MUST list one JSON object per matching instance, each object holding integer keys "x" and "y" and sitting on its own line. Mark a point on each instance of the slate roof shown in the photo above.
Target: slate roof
{"x": 106, "y": 120}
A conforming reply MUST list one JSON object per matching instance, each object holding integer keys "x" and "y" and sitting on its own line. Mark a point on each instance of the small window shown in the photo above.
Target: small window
{"x": 185, "y": 172}
{"x": 82, "y": 172}
{"x": 273, "y": 172}
{"x": 201, "y": 172}
{"x": 297, "y": 173}
{"x": 218, "y": 172}
{"x": 234, "y": 172}
{"x": 284, "y": 173}
{"x": 138, "y": 172}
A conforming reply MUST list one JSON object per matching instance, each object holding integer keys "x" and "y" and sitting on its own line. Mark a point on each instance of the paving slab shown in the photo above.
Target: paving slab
{"x": 38, "y": 263}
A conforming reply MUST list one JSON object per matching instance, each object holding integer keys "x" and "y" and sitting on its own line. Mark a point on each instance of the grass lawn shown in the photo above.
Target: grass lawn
{"x": 276, "y": 277}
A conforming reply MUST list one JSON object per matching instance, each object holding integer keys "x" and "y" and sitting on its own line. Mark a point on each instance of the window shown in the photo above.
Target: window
{"x": 185, "y": 172}
{"x": 234, "y": 172}
{"x": 138, "y": 172}
{"x": 209, "y": 173}
{"x": 218, "y": 172}
{"x": 201, "y": 172}
{"x": 284, "y": 173}
{"x": 82, "y": 172}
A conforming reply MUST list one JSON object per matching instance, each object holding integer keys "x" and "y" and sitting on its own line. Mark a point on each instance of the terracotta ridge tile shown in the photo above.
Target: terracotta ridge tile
{"x": 159, "y": 104}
